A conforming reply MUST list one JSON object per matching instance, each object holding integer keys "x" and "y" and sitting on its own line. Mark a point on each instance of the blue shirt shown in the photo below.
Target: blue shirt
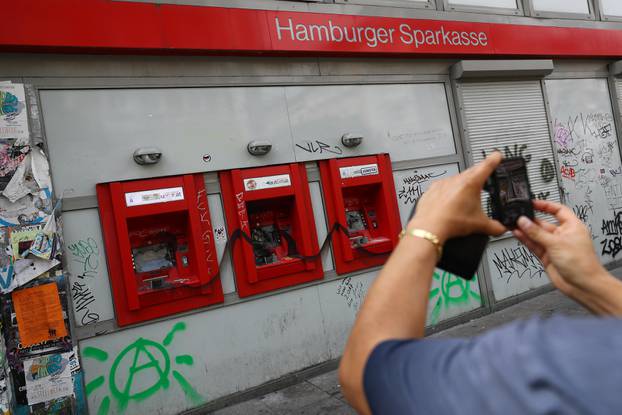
{"x": 556, "y": 366}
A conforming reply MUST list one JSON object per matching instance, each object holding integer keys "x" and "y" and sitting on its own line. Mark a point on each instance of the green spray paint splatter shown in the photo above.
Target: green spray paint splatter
{"x": 169, "y": 337}
{"x": 148, "y": 358}
{"x": 453, "y": 291}
{"x": 104, "y": 407}
{"x": 184, "y": 360}
{"x": 189, "y": 391}
{"x": 94, "y": 384}
{"x": 95, "y": 353}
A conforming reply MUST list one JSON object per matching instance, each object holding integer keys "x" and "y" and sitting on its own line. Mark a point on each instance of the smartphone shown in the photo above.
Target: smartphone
{"x": 510, "y": 192}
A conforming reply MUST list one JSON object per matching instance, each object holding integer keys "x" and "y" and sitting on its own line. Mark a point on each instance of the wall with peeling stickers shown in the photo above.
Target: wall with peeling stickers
{"x": 40, "y": 371}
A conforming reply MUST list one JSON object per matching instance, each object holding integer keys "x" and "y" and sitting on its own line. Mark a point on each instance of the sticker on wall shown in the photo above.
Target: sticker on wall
{"x": 27, "y": 195}
{"x": 220, "y": 235}
{"x": 39, "y": 314}
{"x": 22, "y": 239}
{"x": 29, "y": 210}
{"x": 12, "y": 334}
{"x": 13, "y": 114}
{"x": 48, "y": 377}
{"x": 10, "y": 159}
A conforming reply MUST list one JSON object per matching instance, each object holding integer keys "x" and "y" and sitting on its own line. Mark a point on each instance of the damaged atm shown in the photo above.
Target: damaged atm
{"x": 268, "y": 209}
{"x": 361, "y": 202}
{"x": 161, "y": 252}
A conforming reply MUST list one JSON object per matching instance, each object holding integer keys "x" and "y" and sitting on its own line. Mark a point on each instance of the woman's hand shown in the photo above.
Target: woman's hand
{"x": 452, "y": 207}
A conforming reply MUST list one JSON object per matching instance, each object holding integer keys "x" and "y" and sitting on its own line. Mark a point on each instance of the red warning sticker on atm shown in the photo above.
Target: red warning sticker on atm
{"x": 267, "y": 182}
{"x": 358, "y": 171}
{"x": 148, "y": 197}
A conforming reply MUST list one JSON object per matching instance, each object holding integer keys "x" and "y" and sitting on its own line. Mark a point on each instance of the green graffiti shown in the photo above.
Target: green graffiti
{"x": 146, "y": 360}
{"x": 104, "y": 407}
{"x": 95, "y": 353}
{"x": 184, "y": 360}
{"x": 452, "y": 291}
{"x": 189, "y": 391}
{"x": 158, "y": 361}
{"x": 94, "y": 384}
{"x": 169, "y": 337}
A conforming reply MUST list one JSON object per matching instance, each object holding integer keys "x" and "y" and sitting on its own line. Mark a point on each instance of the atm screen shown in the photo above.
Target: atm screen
{"x": 356, "y": 221}
{"x": 152, "y": 258}
{"x": 266, "y": 239}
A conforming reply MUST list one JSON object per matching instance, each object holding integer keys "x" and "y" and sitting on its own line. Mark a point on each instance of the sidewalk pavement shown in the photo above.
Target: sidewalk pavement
{"x": 321, "y": 394}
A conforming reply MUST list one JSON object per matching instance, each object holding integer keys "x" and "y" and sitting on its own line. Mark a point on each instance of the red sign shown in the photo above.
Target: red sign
{"x": 115, "y": 26}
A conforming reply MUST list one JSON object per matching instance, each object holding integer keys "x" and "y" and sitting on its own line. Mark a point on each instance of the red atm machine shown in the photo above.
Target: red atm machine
{"x": 271, "y": 207}
{"x": 360, "y": 196}
{"x": 160, "y": 247}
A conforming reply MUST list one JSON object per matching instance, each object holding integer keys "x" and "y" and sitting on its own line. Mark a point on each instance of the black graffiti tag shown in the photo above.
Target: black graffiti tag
{"x": 612, "y": 232}
{"x": 517, "y": 151}
{"x": 547, "y": 171}
{"x": 612, "y": 227}
{"x": 611, "y": 246}
{"x": 582, "y": 212}
{"x": 518, "y": 263}
{"x": 320, "y": 147}
{"x": 605, "y": 131}
{"x": 82, "y": 298}
{"x": 409, "y": 194}
{"x": 352, "y": 292}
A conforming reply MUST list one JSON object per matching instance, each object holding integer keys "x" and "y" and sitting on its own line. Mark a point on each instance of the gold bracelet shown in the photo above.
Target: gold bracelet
{"x": 428, "y": 236}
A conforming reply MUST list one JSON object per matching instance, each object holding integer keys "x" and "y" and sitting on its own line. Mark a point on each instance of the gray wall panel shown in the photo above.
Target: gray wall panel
{"x": 409, "y": 121}
{"x": 92, "y": 134}
{"x": 86, "y": 261}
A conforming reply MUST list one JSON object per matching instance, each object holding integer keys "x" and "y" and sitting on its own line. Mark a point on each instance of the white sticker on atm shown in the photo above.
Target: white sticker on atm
{"x": 148, "y": 197}
{"x": 267, "y": 182}
{"x": 358, "y": 171}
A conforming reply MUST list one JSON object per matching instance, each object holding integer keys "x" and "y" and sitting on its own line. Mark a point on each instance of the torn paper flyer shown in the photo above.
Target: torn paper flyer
{"x": 13, "y": 112}
{"x": 48, "y": 377}
{"x": 31, "y": 176}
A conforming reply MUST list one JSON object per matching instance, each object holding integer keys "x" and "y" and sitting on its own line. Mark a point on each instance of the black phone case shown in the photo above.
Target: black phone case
{"x": 461, "y": 256}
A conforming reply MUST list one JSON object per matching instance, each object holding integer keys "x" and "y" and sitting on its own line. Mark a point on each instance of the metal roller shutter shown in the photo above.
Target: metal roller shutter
{"x": 511, "y": 117}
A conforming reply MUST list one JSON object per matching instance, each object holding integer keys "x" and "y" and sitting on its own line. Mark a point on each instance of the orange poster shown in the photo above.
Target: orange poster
{"x": 39, "y": 314}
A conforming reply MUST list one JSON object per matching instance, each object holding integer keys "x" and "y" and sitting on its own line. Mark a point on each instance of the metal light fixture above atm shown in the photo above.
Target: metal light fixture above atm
{"x": 147, "y": 155}
{"x": 351, "y": 140}
{"x": 501, "y": 68}
{"x": 259, "y": 147}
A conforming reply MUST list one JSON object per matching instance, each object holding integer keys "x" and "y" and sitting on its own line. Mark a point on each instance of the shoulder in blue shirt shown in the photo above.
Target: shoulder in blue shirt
{"x": 559, "y": 365}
